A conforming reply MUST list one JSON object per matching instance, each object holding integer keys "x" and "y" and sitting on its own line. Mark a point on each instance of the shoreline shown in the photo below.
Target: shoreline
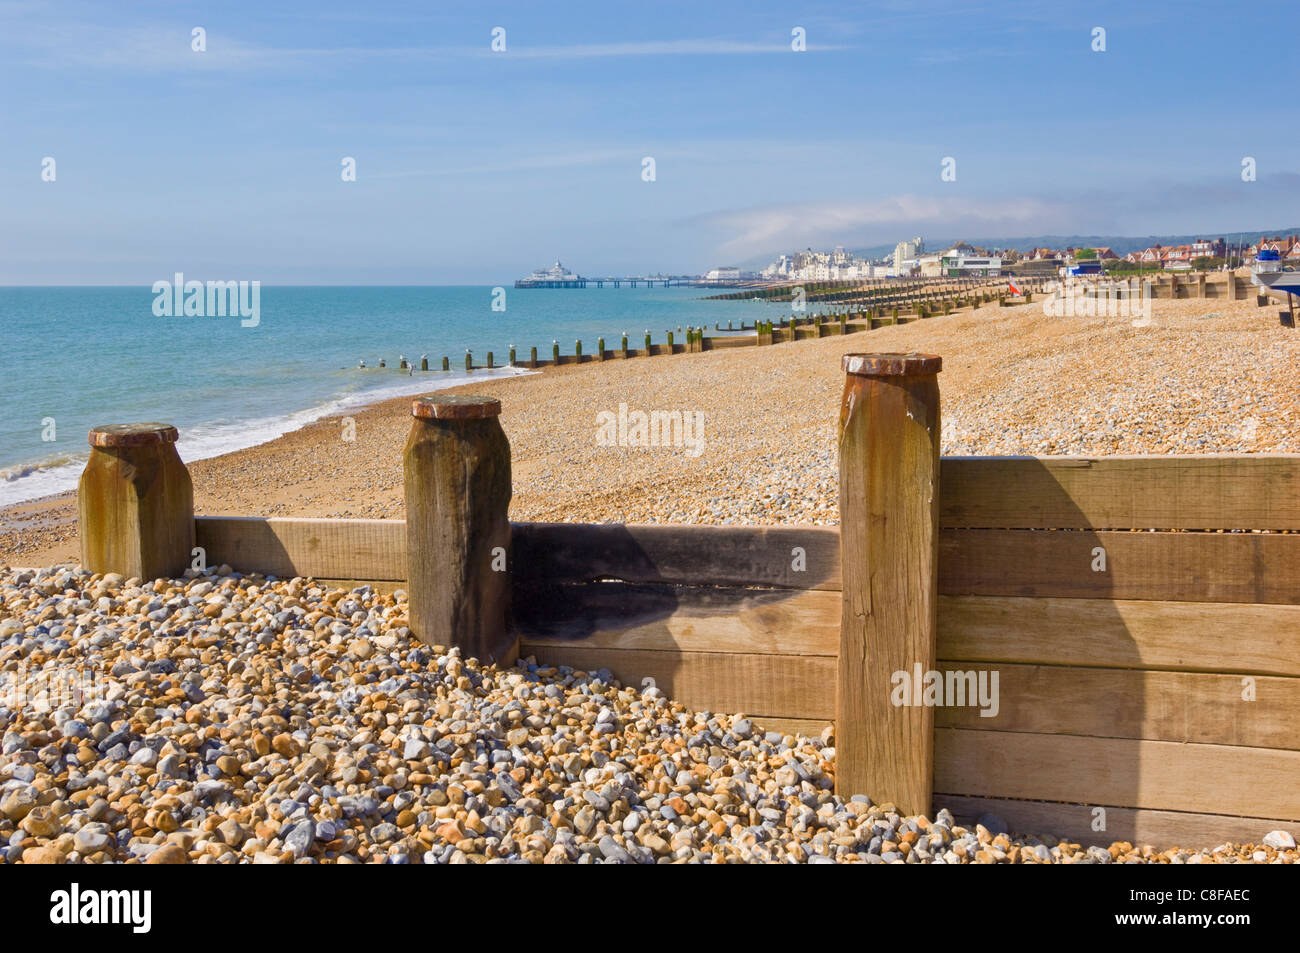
{"x": 1208, "y": 376}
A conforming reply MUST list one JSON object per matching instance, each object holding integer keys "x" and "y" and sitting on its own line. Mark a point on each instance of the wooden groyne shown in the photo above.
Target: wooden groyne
{"x": 1100, "y": 648}
{"x": 895, "y": 303}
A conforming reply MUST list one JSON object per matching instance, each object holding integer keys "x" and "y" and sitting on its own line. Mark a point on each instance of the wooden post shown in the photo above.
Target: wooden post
{"x": 135, "y": 503}
{"x": 555, "y": 354}
{"x": 623, "y": 348}
{"x": 512, "y": 355}
{"x": 469, "y": 362}
{"x": 577, "y": 351}
{"x": 1231, "y": 290}
{"x": 446, "y": 363}
{"x": 889, "y": 523}
{"x": 457, "y": 469}
{"x": 600, "y": 349}
{"x": 532, "y": 358}
{"x": 647, "y": 344}
{"x": 489, "y": 363}
{"x": 424, "y": 362}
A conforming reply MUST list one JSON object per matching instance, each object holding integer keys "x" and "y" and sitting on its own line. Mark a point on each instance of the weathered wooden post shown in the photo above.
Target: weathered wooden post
{"x": 1200, "y": 284}
{"x": 600, "y": 349}
{"x": 622, "y": 350}
{"x": 670, "y": 342}
{"x": 457, "y": 469}
{"x": 647, "y": 344}
{"x": 577, "y": 352}
{"x": 135, "y": 503}
{"x": 490, "y": 363}
{"x": 555, "y": 353}
{"x": 446, "y": 363}
{"x": 532, "y": 358}
{"x": 424, "y": 362}
{"x": 764, "y": 331}
{"x": 889, "y": 521}
{"x": 1231, "y": 290}
{"x": 469, "y": 362}
{"x": 512, "y": 355}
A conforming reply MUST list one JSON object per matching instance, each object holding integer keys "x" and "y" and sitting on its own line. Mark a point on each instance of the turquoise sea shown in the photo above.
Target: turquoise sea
{"x": 75, "y": 357}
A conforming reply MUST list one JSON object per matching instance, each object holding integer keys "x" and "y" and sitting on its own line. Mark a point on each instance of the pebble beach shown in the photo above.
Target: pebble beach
{"x": 277, "y": 722}
{"x": 239, "y": 718}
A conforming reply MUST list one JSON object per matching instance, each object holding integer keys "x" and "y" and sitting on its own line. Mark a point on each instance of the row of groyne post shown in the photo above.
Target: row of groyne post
{"x": 874, "y": 304}
{"x": 862, "y": 309}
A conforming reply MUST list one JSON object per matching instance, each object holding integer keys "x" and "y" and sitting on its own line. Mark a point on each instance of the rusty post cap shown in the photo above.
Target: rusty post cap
{"x": 912, "y": 364}
{"x": 132, "y": 435}
{"x": 455, "y": 407}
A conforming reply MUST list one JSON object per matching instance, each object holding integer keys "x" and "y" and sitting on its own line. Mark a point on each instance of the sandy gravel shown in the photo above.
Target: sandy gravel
{"x": 1206, "y": 376}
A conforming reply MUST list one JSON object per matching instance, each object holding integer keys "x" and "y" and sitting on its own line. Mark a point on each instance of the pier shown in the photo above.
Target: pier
{"x": 663, "y": 281}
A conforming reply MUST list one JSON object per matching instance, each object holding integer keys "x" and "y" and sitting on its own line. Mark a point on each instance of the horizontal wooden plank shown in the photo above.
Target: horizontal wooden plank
{"x": 1230, "y": 491}
{"x": 685, "y": 555}
{"x": 775, "y": 686}
{"x": 340, "y": 549}
{"x": 1165, "y": 566}
{"x": 553, "y": 552}
{"x": 1116, "y": 633}
{"x": 808, "y": 727}
{"x": 680, "y": 618}
{"x": 1160, "y": 775}
{"x": 1074, "y": 823}
{"x": 1123, "y": 703}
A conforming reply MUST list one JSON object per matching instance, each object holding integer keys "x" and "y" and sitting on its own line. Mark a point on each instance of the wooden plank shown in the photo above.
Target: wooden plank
{"x": 689, "y": 555}
{"x": 1074, "y": 822}
{"x": 783, "y": 686}
{"x": 553, "y": 552}
{"x": 1116, "y": 633}
{"x": 1165, "y": 566}
{"x": 808, "y": 727}
{"x": 615, "y": 615}
{"x": 457, "y": 497}
{"x": 1160, "y": 775}
{"x": 1228, "y": 491}
{"x": 889, "y": 510}
{"x": 342, "y": 549}
{"x": 1123, "y": 703}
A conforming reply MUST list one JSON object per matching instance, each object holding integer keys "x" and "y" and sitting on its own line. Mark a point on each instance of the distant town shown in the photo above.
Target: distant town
{"x": 910, "y": 258}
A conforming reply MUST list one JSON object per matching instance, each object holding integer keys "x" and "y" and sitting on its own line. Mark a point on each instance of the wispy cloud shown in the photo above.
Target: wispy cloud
{"x": 677, "y": 47}
{"x": 162, "y": 48}
{"x": 756, "y": 231}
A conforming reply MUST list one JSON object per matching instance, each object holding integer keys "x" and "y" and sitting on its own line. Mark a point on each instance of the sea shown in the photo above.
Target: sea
{"x": 76, "y": 357}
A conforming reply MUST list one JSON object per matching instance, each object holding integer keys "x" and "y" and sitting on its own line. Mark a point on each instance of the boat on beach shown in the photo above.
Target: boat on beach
{"x": 1268, "y": 272}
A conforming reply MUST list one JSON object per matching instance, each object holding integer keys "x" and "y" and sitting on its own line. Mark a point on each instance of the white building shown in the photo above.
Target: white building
{"x": 725, "y": 273}
{"x": 904, "y": 251}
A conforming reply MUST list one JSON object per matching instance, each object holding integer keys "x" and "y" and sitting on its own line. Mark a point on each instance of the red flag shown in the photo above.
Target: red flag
{"x": 1014, "y": 289}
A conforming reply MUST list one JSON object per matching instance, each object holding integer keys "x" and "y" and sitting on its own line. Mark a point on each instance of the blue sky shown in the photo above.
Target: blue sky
{"x": 475, "y": 166}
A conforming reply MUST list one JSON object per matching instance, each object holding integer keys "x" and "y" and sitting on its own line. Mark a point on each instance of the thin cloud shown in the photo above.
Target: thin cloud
{"x": 762, "y": 230}
{"x": 678, "y": 47}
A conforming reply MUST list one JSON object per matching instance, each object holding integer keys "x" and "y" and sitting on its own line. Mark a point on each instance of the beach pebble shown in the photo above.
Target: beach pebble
{"x": 213, "y": 744}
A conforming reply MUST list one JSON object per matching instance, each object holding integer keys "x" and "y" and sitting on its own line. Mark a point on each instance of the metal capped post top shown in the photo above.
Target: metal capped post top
{"x": 455, "y": 407}
{"x": 132, "y": 435}
{"x": 911, "y": 364}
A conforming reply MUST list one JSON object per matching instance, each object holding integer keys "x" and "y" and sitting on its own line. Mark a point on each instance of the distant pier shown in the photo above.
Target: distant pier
{"x": 664, "y": 281}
